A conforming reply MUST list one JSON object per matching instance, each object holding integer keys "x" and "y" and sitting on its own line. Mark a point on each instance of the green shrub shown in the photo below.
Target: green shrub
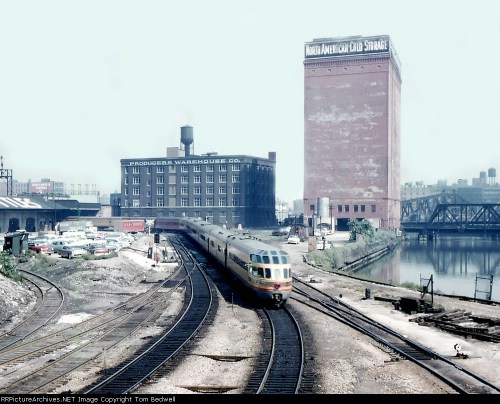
{"x": 7, "y": 266}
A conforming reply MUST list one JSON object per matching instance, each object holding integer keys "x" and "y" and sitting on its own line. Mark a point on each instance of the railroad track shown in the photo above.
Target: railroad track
{"x": 281, "y": 362}
{"x": 50, "y": 300}
{"x": 152, "y": 362}
{"x": 460, "y": 379}
{"x": 59, "y": 354}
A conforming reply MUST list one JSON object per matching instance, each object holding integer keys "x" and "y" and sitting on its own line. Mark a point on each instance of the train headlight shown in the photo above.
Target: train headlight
{"x": 277, "y": 285}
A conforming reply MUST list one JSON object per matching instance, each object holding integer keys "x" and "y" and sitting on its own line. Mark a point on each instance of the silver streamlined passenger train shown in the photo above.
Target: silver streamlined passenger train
{"x": 260, "y": 267}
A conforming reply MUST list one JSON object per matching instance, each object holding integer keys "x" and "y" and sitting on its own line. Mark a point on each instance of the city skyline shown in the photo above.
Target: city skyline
{"x": 85, "y": 85}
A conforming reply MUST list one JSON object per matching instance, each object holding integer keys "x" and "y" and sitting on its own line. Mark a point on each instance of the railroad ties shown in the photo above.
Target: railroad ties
{"x": 463, "y": 323}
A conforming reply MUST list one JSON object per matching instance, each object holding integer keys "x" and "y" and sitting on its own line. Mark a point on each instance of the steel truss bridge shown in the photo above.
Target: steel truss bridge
{"x": 449, "y": 213}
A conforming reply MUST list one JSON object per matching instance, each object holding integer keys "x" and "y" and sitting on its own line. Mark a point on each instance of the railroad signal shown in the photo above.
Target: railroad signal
{"x": 157, "y": 238}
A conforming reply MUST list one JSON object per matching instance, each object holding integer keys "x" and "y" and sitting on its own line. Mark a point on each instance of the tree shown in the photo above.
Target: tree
{"x": 362, "y": 227}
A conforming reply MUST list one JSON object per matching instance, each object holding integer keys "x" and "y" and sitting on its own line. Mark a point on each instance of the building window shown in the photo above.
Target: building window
{"x": 125, "y": 170}
{"x": 197, "y": 202}
{"x": 235, "y": 166}
{"x": 148, "y": 193}
{"x": 236, "y": 189}
{"x": 209, "y": 202}
{"x": 159, "y": 191}
{"x": 362, "y": 208}
{"x": 235, "y": 201}
{"x": 222, "y": 178}
{"x": 125, "y": 191}
{"x": 184, "y": 202}
{"x": 172, "y": 190}
{"x": 222, "y": 201}
{"x": 346, "y": 208}
{"x": 148, "y": 183}
{"x": 126, "y": 180}
{"x": 210, "y": 178}
{"x": 197, "y": 213}
{"x": 171, "y": 169}
{"x": 235, "y": 178}
{"x": 148, "y": 170}
{"x": 184, "y": 179}
{"x": 197, "y": 190}
{"x": 210, "y": 189}
{"x": 135, "y": 170}
{"x": 222, "y": 167}
{"x": 197, "y": 168}
{"x": 339, "y": 208}
{"x": 222, "y": 189}
{"x": 184, "y": 169}
{"x": 159, "y": 179}
{"x": 125, "y": 203}
{"x": 160, "y": 169}
{"x": 184, "y": 190}
{"x": 355, "y": 208}
{"x": 197, "y": 179}
{"x": 136, "y": 203}
{"x": 210, "y": 168}
{"x": 136, "y": 180}
{"x": 135, "y": 191}
{"x": 159, "y": 202}
{"x": 374, "y": 208}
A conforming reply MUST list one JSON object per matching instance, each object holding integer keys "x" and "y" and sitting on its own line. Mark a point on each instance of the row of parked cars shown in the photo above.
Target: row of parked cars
{"x": 69, "y": 247}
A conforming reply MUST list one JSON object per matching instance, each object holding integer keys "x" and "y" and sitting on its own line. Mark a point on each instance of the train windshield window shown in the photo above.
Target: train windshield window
{"x": 277, "y": 273}
{"x": 276, "y": 260}
{"x": 285, "y": 272}
{"x": 268, "y": 273}
{"x": 266, "y": 259}
{"x": 260, "y": 272}
{"x": 284, "y": 259}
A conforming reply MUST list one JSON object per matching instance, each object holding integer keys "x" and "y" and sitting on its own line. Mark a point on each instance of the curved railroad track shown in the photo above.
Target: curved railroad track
{"x": 281, "y": 363}
{"x": 52, "y": 358}
{"x": 145, "y": 364}
{"x": 50, "y": 300}
{"x": 460, "y": 379}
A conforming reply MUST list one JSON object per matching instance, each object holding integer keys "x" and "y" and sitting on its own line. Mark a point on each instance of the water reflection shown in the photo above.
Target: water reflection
{"x": 459, "y": 265}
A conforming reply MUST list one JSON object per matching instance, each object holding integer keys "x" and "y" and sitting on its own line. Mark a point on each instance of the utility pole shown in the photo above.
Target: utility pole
{"x": 7, "y": 174}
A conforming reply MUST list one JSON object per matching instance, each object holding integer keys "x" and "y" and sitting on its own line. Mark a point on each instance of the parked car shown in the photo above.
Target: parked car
{"x": 57, "y": 245}
{"x": 69, "y": 252}
{"x": 293, "y": 239}
{"x": 41, "y": 248}
{"x": 97, "y": 249}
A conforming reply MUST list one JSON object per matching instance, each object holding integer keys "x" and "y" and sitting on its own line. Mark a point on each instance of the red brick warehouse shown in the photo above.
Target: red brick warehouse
{"x": 352, "y": 97}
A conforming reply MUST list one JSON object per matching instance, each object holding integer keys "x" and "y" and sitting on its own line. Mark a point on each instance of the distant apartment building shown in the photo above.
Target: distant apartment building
{"x": 223, "y": 189}
{"x": 85, "y": 193}
{"x": 352, "y": 97}
{"x": 484, "y": 189}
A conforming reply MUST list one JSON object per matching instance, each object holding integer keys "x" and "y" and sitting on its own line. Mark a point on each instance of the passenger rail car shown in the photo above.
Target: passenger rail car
{"x": 260, "y": 267}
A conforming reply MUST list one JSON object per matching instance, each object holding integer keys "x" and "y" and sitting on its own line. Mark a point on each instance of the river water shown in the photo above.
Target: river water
{"x": 458, "y": 265}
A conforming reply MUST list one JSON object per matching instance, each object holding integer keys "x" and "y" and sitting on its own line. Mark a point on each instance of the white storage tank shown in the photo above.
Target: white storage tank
{"x": 323, "y": 213}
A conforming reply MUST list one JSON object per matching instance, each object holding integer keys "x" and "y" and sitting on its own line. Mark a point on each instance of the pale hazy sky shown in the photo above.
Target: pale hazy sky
{"x": 84, "y": 84}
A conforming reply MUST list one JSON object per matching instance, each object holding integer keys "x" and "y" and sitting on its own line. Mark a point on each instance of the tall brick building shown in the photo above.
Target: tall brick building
{"x": 352, "y": 97}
